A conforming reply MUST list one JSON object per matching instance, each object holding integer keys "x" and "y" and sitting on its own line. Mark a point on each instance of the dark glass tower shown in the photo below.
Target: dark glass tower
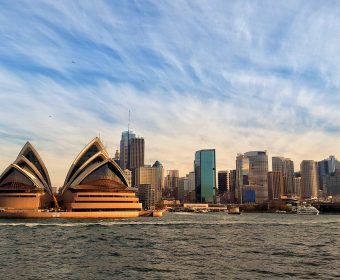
{"x": 205, "y": 176}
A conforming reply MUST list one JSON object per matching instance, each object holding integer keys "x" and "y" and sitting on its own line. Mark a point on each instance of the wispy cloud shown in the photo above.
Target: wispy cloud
{"x": 235, "y": 76}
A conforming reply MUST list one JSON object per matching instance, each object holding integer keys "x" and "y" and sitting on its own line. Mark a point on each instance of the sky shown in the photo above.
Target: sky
{"x": 236, "y": 76}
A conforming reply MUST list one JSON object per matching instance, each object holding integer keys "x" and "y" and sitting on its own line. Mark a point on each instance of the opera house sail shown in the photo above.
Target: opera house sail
{"x": 95, "y": 183}
{"x": 25, "y": 184}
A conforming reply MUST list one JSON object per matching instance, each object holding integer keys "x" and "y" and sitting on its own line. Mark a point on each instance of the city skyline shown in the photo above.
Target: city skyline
{"x": 233, "y": 76}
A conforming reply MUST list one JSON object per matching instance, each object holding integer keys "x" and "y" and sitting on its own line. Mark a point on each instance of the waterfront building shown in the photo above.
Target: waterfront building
{"x": 327, "y": 167}
{"x": 242, "y": 175}
{"x": 25, "y": 184}
{"x": 205, "y": 176}
{"x": 275, "y": 185}
{"x": 286, "y": 167}
{"x": 146, "y": 194}
{"x": 332, "y": 183}
{"x": 95, "y": 182}
{"x": 223, "y": 179}
{"x": 191, "y": 196}
{"x": 297, "y": 186}
{"x": 309, "y": 179}
{"x": 171, "y": 184}
{"x": 153, "y": 176}
{"x": 183, "y": 183}
{"x": 258, "y": 169}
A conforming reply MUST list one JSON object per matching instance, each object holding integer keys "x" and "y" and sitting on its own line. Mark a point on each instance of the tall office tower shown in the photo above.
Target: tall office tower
{"x": 242, "y": 176}
{"x": 275, "y": 185}
{"x": 191, "y": 187}
{"x": 309, "y": 179}
{"x": 286, "y": 167}
{"x": 232, "y": 181}
{"x": 171, "y": 184}
{"x": 223, "y": 179}
{"x": 297, "y": 186}
{"x": 153, "y": 176}
{"x": 137, "y": 148}
{"x": 125, "y": 149}
{"x": 258, "y": 169}
{"x": 205, "y": 176}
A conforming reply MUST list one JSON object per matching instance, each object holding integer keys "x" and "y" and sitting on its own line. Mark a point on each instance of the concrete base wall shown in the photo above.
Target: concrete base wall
{"x": 67, "y": 215}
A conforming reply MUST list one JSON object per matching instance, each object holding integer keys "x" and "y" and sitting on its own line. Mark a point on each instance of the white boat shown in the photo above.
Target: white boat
{"x": 307, "y": 210}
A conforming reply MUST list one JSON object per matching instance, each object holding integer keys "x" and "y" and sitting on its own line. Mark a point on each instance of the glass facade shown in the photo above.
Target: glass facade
{"x": 205, "y": 176}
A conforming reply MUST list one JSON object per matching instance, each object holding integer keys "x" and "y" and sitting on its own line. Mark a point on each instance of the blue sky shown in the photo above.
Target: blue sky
{"x": 230, "y": 75}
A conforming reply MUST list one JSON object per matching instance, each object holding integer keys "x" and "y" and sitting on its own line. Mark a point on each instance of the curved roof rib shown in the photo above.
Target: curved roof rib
{"x": 89, "y": 151}
{"x": 90, "y": 170}
{"x": 29, "y": 152}
{"x": 35, "y": 181}
{"x": 27, "y": 165}
{"x": 98, "y": 157}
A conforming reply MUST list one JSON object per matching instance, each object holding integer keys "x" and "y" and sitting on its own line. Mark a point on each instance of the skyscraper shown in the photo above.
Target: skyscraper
{"x": 136, "y": 153}
{"x": 286, "y": 167}
{"x": 275, "y": 185}
{"x": 205, "y": 175}
{"x": 258, "y": 169}
{"x": 242, "y": 175}
{"x": 223, "y": 179}
{"x": 309, "y": 179}
{"x": 125, "y": 149}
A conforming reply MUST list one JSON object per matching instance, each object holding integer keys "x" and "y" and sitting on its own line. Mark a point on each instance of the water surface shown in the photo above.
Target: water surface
{"x": 179, "y": 245}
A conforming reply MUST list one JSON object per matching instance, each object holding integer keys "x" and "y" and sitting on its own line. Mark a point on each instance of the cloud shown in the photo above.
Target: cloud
{"x": 235, "y": 76}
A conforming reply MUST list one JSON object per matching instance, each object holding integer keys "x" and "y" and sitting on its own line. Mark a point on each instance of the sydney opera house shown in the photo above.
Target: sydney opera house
{"x": 95, "y": 187}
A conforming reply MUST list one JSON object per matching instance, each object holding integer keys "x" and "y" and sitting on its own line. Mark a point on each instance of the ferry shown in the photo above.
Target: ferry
{"x": 307, "y": 210}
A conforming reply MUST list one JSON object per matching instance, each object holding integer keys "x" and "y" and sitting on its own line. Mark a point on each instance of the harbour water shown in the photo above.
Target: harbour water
{"x": 177, "y": 246}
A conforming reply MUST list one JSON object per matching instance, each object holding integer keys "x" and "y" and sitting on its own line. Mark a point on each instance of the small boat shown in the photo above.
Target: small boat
{"x": 307, "y": 210}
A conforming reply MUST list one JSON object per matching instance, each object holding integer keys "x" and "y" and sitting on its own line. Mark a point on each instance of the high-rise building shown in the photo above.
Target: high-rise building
{"x": 286, "y": 167}
{"x": 275, "y": 185}
{"x": 309, "y": 179}
{"x": 297, "y": 186}
{"x": 153, "y": 176}
{"x": 125, "y": 149}
{"x": 171, "y": 184}
{"x": 205, "y": 176}
{"x": 258, "y": 169}
{"x": 332, "y": 184}
{"x": 223, "y": 179}
{"x": 183, "y": 188}
{"x": 327, "y": 167}
{"x": 242, "y": 176}
{"x": 191, "y": 187}
{"x": 137, "y": 148}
